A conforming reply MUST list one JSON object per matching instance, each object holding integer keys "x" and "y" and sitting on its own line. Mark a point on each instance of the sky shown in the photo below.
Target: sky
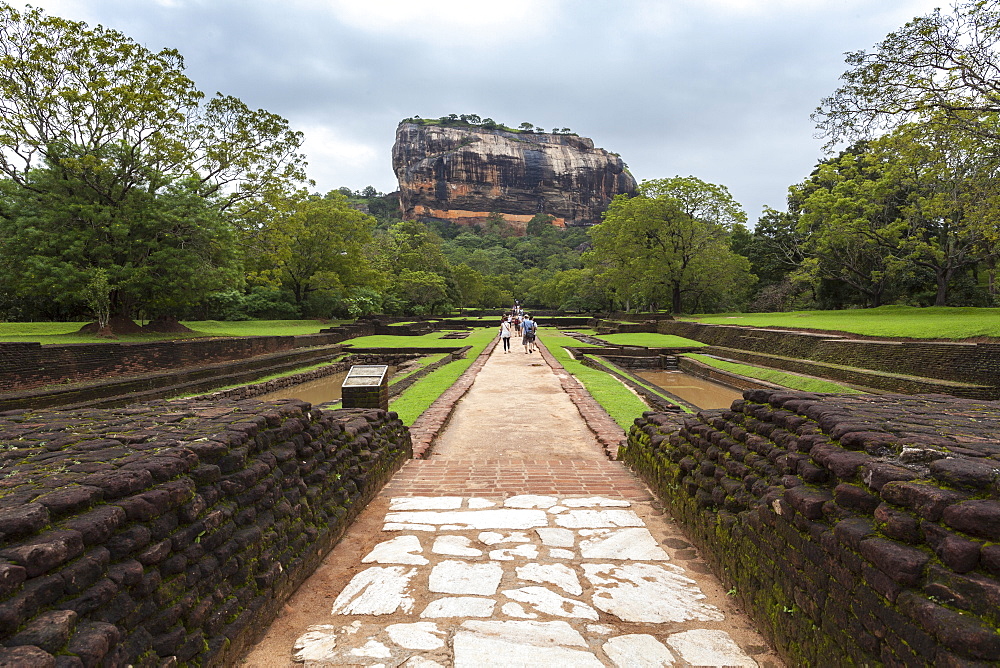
{"x": 717, "y": 89}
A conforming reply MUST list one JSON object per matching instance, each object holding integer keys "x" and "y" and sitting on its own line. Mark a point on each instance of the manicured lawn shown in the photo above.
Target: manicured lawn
{"x": 619, "y": 401}
{"x": 419, "y": 396}
{"x": 432, "y": 340}
{"x": 650, "y": 340}
{"x": 65, "y": 332}
{"x": 936, "y": 322}
{"x": 789, "y": 380}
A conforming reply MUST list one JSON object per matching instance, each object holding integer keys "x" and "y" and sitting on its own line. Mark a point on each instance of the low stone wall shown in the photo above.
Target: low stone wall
{"x": 976, "y": 363}
{"x": 855, "y": 529}
{"x": 172, "y": 532}
{"x": 24, "y": 366}
{"x": 254, "y": 390}
{"x": 734, "y": 380}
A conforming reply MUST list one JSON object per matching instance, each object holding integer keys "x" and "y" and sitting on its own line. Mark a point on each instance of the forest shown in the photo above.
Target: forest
{"x": 126, "y": 191}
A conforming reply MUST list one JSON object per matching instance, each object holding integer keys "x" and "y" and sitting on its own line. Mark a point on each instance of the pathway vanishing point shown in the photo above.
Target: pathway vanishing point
{"x": 516, "y": 542}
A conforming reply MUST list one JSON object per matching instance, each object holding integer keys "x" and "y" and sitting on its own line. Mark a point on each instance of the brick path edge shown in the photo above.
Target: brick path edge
{"x": 605, "y": 429}
{"x": 435, "y": 418}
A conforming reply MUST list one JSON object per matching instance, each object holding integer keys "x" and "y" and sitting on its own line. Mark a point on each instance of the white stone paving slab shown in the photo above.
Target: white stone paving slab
{"x": 550, "y": 603}
{"x": 596, "y": 501}
{"x": 555, "y": 510}
{"x": 459, "y": 606}
{"x": 399, "y": 550}
{"x": 703, "y": 647}
{"x": 425, "y": 502}
{"x": 515, "y": 610}
{"x": 501, "y": 518}
{"x": 455, "y": 546}
{"x": 317, "y": 643}
{"x": 481, "y": 503}
{"x": 638, "y": 650}
{"x": 421, "y": 662}
{"x": 376, "y": 591}
{"x": 598, "y": 519}
{"x": 559, "y": 553}
{"x": 475, "y": 651}
{"x": 530, "y": 501}
{"x": 372, "y": 648}
{"x": 648, "y": 593}
{"x": 495, "y": 537}
{"x": 461, "y": 577}
{"x": 560, "y": 575}
{"x": 635, "y": 544}
{"x": 418, "y": 635}
{"x": 402, "y": 526}
{"x": 526, "y": 551}
{"x": 600, "y": 629}
{"x": 555, "y": 537}
{"x": 532, "y": 633}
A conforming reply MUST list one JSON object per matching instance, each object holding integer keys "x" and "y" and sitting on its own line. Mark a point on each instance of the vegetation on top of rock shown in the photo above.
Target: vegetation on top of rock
{"x": 475, "y": 122}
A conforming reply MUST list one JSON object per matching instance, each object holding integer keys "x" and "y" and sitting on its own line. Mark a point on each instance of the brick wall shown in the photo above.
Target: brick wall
{"x": 172, "y": 532}
{"x": 24, "y": 366}
{"x": 856, "y": 530}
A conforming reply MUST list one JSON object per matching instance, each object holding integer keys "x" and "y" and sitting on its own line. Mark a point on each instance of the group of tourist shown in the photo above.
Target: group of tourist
{"x": 518, "y": 323}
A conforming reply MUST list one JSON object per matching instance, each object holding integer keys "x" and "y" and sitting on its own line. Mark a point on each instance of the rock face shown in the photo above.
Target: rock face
{"x": 465, "y": 173}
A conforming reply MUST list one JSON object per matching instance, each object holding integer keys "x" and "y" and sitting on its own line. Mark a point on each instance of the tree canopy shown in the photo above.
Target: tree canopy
{"x": 670, "y": 243}
{"x": 944, "y": 65}
{"x": 116, "y": 166}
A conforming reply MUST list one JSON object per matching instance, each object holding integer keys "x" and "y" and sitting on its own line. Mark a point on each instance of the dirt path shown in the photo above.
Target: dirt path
{"x": 517, "y": 543}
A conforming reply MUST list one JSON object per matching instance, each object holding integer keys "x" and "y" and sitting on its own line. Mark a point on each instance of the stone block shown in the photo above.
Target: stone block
{"x": 902, "y": 563}
{"x": 980, "y": 518}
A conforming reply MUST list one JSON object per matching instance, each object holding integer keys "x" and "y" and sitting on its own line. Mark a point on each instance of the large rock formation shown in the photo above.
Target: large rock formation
{"x": 464, "y": 173}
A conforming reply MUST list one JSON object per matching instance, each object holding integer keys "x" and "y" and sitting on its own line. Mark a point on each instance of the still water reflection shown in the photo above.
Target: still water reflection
{"x": 320, "y": 391}
{"x": 702, "y": 393}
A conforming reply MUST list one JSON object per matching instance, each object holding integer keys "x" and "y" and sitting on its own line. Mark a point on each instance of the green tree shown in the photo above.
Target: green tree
{"x": 159, "y": 251}
{"x": 468, "y": 284}
{"x": 425, "y": 291}
{"x": 654, "y": 246}
{"x": 132, "y": 147}
{"x": 942, "y": 65}
{"x": 316, "y": 245}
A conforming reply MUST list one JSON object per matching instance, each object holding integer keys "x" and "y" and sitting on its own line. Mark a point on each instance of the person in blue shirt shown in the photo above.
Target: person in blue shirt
{"x": 528, "y": 328}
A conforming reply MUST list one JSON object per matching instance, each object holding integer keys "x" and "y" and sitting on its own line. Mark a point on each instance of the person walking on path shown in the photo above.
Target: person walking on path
{"x": 529, "y": 328}
{"x": 505, "y": 334}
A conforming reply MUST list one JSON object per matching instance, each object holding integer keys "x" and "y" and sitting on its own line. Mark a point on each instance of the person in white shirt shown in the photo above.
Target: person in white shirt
{"x": 505, "y": 334}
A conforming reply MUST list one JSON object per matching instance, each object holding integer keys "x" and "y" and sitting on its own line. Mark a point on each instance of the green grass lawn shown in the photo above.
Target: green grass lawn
{"x": 418, "y": 397}
{"x": 618, "y": 400}
{"x": 650, "y": 340}
{"x": 789, "y": 380}
{"x": 432, "y": 340}
{"x": 936, "y": 322}
{"x": 65, "y": 332}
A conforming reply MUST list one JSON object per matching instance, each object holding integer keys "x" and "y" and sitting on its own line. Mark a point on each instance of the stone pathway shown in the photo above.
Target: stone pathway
{"x": 517, "y": 543}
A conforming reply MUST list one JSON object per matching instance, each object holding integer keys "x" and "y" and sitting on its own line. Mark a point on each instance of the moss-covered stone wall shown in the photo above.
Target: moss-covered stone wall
{"x": 856, "y": 530}
{"x": 24, "y": 366}
{"x": 972, "y": 363}
{"x": 171, "y": 532}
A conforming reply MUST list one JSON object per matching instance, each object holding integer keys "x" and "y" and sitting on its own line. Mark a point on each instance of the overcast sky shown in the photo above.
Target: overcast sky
{"x": 718, "y": 89}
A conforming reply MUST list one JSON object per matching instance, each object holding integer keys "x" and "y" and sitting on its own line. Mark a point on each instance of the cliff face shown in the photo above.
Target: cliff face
{"x": 463, "y": 174}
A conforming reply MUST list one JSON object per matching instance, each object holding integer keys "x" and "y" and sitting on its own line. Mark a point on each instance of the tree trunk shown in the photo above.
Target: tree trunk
{"x": 943, "y": 277}
{"x": 675, "y": 298}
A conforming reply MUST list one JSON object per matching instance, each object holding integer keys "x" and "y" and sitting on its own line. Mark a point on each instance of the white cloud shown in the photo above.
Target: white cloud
{"x": 337, "y": 160}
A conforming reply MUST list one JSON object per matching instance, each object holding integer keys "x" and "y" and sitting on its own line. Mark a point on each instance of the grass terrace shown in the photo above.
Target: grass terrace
{"x": 935, "y": 322}
{"x": 419, "y": 396}
{"x": 618, "y": 400}
{"x": 790, "y": 380}
{"x": 650, "y": 340}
